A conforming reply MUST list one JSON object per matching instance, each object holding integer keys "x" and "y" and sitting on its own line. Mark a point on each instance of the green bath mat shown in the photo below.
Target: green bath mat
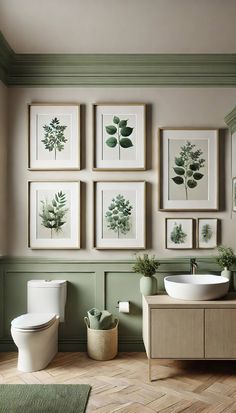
{"x": 43, "y": 398}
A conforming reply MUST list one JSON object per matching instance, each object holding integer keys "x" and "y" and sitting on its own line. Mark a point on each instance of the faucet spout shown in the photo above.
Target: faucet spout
{"x": 193, "y": 266}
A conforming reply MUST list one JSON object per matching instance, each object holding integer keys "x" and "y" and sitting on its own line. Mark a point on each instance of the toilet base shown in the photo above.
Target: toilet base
{"x": 36, "y": 348}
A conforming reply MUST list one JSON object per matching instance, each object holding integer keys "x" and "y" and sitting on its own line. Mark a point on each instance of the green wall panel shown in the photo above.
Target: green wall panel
{"x": 90, "y": 284}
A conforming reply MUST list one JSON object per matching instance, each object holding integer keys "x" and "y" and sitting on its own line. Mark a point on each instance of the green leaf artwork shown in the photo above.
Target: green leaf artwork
{"x": 118, "y": 215}
{"x": 54, "y": 138}
{"x": 119, "y": 133}
{"x": 178, "y": 236}
{"x": 187, "y": 166}
{"x": 53, "y": 213}
{"x": 206, "y": 233}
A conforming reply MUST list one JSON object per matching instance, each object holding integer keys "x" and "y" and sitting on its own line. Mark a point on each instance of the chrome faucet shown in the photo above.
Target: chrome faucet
{"x": 193, "y": 266}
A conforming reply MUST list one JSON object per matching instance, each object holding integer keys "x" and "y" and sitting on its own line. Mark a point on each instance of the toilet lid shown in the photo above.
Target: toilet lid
{"x": 33, "y": 321}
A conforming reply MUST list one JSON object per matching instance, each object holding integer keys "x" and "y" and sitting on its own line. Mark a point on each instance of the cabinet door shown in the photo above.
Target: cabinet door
{"x": 177, "y": 333}
{"x": 220, "y": 333}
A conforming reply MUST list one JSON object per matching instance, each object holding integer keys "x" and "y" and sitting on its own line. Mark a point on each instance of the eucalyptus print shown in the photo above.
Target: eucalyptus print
{"x": 53, "y": 213}
{"x": 178, "y": 236}
{"x": 118, "y": 216}
{"x": 54, "y": 137}
{"x": 187, "y": 167}
{"x": 206, "y": 232}
{"x": 118, "y": 134}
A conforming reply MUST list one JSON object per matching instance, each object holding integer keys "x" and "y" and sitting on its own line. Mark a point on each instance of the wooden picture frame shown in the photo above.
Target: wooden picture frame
{"x": 179, "y": 233}
{"x": 54, "y": 136}
{"x": 54, "y": 214}
{"x": 119, "y": 136}
{"x": 119, "y": 214}
{"x": 192, "y": 183}
{"x": 207, "y": 233}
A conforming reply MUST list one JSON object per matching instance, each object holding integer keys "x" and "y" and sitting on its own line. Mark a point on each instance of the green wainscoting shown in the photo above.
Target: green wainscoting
{"x": 90, "y": 283}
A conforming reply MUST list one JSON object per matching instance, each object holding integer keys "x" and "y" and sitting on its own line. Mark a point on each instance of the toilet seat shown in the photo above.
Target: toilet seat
{"x": 33, "y": 321}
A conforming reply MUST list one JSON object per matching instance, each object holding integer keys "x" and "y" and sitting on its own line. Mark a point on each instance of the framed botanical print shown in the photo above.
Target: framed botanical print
{"x": 179, "y": 233}
{"x": 119, "y": 136}
{"x": 54, "y": 136}
{"x": 188, "y": 169}
{"x": 119, "y": 215}
{"x": 54, "y": 215}
{"x": 207, "y": 232}
{"x": 234, "y": 194}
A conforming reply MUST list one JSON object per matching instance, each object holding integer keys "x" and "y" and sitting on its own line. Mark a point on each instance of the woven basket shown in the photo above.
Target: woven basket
{"x": 102, "y": 344}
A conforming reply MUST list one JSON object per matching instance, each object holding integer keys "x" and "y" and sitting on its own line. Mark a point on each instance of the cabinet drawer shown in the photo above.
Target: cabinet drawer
{"x": 177, "y": 333}
{"x": 220, "y": 333}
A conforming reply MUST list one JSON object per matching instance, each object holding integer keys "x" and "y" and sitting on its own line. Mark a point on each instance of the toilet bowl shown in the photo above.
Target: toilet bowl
{"x": 36, "y": 333}
{"x": 36, "y": 336}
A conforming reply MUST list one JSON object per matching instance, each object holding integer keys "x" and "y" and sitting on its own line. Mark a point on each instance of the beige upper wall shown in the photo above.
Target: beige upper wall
{"x": 3, "y": 167}
{"x": 119, "y": 26}
{"x": 194, "y": 107}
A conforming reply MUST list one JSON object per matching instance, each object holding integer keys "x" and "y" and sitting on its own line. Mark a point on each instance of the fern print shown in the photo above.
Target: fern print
{"x": 53, "y": 213}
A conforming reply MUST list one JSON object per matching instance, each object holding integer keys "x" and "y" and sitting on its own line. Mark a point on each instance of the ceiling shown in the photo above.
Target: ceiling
{"x": 119, "y": 26}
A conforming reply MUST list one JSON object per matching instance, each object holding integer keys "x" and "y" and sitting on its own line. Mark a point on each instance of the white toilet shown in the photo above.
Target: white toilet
{"x": 36, "y": 333}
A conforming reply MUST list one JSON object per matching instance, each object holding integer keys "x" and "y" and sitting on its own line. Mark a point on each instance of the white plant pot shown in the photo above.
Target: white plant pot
{"x": 226, "y": 273}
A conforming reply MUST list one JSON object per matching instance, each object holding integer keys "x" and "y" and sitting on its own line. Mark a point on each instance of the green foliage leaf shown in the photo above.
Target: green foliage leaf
{"x": 198, "y": 176}
{"x": 191, "y": 183}
{"x": 189, "y": 173}
{"x": 123, "y": 123}
{"x": 116, "y": 119}
{"x": 178, "y": 180}
{"x": 179, "y": 161}
{"x": 146, "y": 265}
{"x": 111, "y": 129}
{"x": 194, "y": 166}
{"x": 111, "y": 142}
{"x": 179, "y": 171}
{"x": 126, "y": 131}
{"x": 126, "y": 143}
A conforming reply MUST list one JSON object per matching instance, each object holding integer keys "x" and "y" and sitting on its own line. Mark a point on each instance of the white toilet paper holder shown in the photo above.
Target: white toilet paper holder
{"x": 122, "y": 301}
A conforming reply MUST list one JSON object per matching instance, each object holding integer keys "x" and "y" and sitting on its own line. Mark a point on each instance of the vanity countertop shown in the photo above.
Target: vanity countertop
{"x": 165, "y": 301}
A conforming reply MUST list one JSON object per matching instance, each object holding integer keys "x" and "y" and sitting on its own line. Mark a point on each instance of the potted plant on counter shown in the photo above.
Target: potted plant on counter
{"x": 225, "y": 259}
{"x": 146, "y": 265}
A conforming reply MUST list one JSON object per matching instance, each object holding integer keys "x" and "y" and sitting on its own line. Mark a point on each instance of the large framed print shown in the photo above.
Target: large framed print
{"x": 179, "y": 233}
{"x": 54, "y": 136}
{"x": 54, "y": 215}
{"x": 119, "y": 136}
{"x": 189, "y": 169}
{"x": 119, "y": 215}
{"x": 207, "y": 233}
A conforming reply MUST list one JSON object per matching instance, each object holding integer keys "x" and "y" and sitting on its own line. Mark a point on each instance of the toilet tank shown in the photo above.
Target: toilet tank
{"x": 47, "y": 296}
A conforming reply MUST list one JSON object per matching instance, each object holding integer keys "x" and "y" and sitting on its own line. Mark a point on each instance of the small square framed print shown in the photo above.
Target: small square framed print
{"x": 189, "y": 169}
{"x": 179, "y": 233}
{"x": 54, "y": 136}
{"x": 119, "y": 215}
{"x": 207, "y": 232}
{"x": 119, "y": 136}
{"x": 54, "y": 215}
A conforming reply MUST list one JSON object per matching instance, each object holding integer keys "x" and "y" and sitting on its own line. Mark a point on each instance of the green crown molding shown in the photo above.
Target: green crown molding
{"x": 230, "y": 120}
{"x": 116, "y": 69}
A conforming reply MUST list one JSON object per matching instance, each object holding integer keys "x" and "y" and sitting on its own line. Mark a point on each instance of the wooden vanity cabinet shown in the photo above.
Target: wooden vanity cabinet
{"x": 178, "y": 329}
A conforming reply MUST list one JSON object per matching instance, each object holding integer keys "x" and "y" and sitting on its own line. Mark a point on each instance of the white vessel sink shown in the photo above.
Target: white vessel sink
{"x": 196, "y": 287}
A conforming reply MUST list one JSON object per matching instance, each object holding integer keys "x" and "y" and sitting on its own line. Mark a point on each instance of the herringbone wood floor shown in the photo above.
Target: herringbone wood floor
{"x": 121, "y": 385}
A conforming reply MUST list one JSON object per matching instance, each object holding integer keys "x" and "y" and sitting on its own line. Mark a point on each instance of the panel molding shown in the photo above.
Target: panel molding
{"x": 121, "y": 70}
{"x": 73, "y": 338}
